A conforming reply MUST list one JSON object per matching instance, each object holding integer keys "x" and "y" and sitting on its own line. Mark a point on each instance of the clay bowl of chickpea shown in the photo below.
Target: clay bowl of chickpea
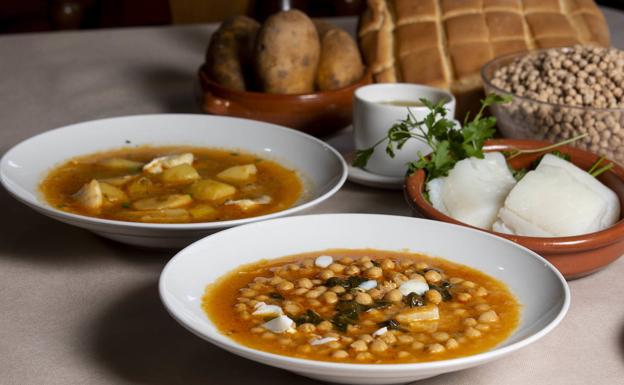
{"x": 560, "y": 93}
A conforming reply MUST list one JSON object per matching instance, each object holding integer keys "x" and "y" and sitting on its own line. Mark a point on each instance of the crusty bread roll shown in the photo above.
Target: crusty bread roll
{"x": 444, "y": 43}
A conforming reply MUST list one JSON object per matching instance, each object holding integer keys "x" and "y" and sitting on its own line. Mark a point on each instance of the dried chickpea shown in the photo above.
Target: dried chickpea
{"x": 359, "y": 346}
{"x": 373, "y": 273}
{"x": 330, "y": 297}
{"x": 394, "y": 296}
{"x": 433, "y": 296}
{"x": 363, "y": 298}
{"x": 433, "y": 276}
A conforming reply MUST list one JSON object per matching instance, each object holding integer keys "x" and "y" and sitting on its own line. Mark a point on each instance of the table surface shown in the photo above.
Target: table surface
{"x": 78, "y": 309}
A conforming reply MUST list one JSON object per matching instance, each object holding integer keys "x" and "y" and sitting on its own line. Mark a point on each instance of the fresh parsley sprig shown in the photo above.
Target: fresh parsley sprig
{"x": 448, "y": 144}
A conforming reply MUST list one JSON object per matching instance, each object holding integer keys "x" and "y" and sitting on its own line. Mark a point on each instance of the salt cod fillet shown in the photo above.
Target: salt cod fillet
{"x": 557, "y": 199}
{"x": 474, "y": 190}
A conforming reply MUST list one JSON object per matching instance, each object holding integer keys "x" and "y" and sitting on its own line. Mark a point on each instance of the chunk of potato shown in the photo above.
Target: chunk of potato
{"x": 120, "y": 164}
{"x": 112, "y": 194}
{"x": 247, "y": 204}
{"x": 211, "y": 190}
{"x": 171, "y": 201}
{"x": 238, "y": 174}
{"x": 203, "y": 212}
{"x": 140, "y": 188}
{"x": 119, "y": 181}
{"x": 428, "y": 312}
{"x": 180, "y": 174}
{"x": 90, "y": 197}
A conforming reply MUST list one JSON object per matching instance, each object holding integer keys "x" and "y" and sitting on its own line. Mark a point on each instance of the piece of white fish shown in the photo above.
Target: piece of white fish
{"x": 281, "y": 324}
{"x": 557, "y": 199}
{"x": 474, "y": 190}
{"x": 413, "y": 286}
{"x": 323, "y": 261}
{"x": 262, "y": 309}
{"x": 157, "y": 165}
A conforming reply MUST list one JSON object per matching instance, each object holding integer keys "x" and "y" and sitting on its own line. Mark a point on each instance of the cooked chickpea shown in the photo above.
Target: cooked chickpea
{"x": 376, "y": 293}
{"x": 330, "y": 297}
{"x": 468, "y": 284}
{"x": 363, "y": 298}
{"x": 346, "y": 297}
{"x": 284, "y": 341}
{"x": 440, "y": 336}
{"x": 488, "y": 316}
{"x": 364, "y": 356}
{"x": 340, "y": 354}
{"x": 300, "y": 291}
{"x": 306, "y": 328}
{"x": 359, "y": 346}
{"x": 285, "y": 286}
{"x": 451, "y": 343}
{"x": 245, "y": 315}
{"x": 387, "y": 264}
{"x": 314, "y": 302}
{"x": 262, "y": 298}
{"x": 293, "y": 267}
{"x": 435, "y": 348}
{"x": 305, "y": 283}
{"x": 373, "y": 273}
{"x": 388, "y": 338}
{"x": 433, "y": 296}
{"x": 472, "y": 332}
{"x": 334, "y": 345}
{"x": 304, "y": 348}
{"x": 460, "y": 312}
{"x": 346, "y": 340}
{"x": 336, "y": 267}
{"x": 248, "y": 293}
{"x": 482, "y": 327}
{"x": 307, "y": 263}
{"x": 455, "y": 280}
{"x": 417, "y": 345}
{"x": 326, "y": 274}
{"x": 243, "y": 300}
{"x": 257, "y": 330}
{"x": 364, "y": 259}
{"x": 324, "y": 326}
{"x": 399, "y": 278}
{"x": 346, "y": 260}
{"x": 378, "y": 346}
{"x": 352, "y": 270}
{"x": 314, "y": 293}
{"x": 338, "y": 289}
{"x": 482, "y": 307}
{"x": 481, "y": 292}
{"x": 403, "y": 354}
{"x": 268, "y": 336}
{"x": 470, "y": 322}
{"x": 275, "y": 280}
{"x": 240, "y": 307}
{"x": 366, "y": 338}
{"x": 433, "y": 276}
{"x": 394, "y": 296}
{"x": 405, "y": 339}
{"x": 463, "y": 297}
{"x": 421, "y": 266}
{"x": 417, "y": 277}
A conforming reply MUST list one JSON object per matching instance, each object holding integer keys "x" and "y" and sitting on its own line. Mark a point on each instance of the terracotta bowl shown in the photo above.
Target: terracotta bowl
{"x": 318, "y": 113}
{"x": 575, "y": 256}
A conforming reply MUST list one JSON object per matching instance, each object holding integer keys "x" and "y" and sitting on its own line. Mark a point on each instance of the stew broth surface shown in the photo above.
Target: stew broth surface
{"x": 177, "y": 194}
{"x": 463, "y": 312}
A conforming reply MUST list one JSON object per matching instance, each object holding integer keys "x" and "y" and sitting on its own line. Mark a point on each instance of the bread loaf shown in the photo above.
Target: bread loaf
{"x": 445, "y": 43}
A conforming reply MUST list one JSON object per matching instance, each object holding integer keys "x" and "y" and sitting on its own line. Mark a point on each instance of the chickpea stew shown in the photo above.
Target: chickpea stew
{"x": 362, "y": 306}
{"x": 171, "y": 185}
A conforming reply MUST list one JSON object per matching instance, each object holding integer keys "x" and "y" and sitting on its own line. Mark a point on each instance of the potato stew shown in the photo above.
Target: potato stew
{"x": 171, "y": 185}
{"x": 362, "y": 306}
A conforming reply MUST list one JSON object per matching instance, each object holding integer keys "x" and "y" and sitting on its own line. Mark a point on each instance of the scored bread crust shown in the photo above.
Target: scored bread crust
{"x": 444, "y": 43}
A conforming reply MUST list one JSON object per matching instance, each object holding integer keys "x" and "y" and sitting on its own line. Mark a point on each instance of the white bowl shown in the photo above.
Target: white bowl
{"x": 537, "y": 285}
{"x": 24, "y": 166}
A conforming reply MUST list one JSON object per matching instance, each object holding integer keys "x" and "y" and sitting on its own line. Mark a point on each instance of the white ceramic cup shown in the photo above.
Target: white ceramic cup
{"x": 372, "y": 120}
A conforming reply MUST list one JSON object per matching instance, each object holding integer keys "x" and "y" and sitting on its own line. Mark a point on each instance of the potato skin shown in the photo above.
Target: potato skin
{"x": 229, "y": 54}
{"x": 287, "y": 53}
{"x": 340, "y": 63}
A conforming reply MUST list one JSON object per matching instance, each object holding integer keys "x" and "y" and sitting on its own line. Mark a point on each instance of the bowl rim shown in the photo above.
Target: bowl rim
{"x": 497, "y": 60}
{"x": 43, "y": 206}
{"x": 207, "y": 84}
{"x": 415, "y": 183}
{"x": 496, "y": 351}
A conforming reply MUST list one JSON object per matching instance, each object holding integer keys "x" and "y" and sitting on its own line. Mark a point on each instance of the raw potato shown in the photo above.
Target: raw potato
{"x": 287, "y": 53}
{"x": 340, "y": 63}
{"x": 230, "y": 51}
